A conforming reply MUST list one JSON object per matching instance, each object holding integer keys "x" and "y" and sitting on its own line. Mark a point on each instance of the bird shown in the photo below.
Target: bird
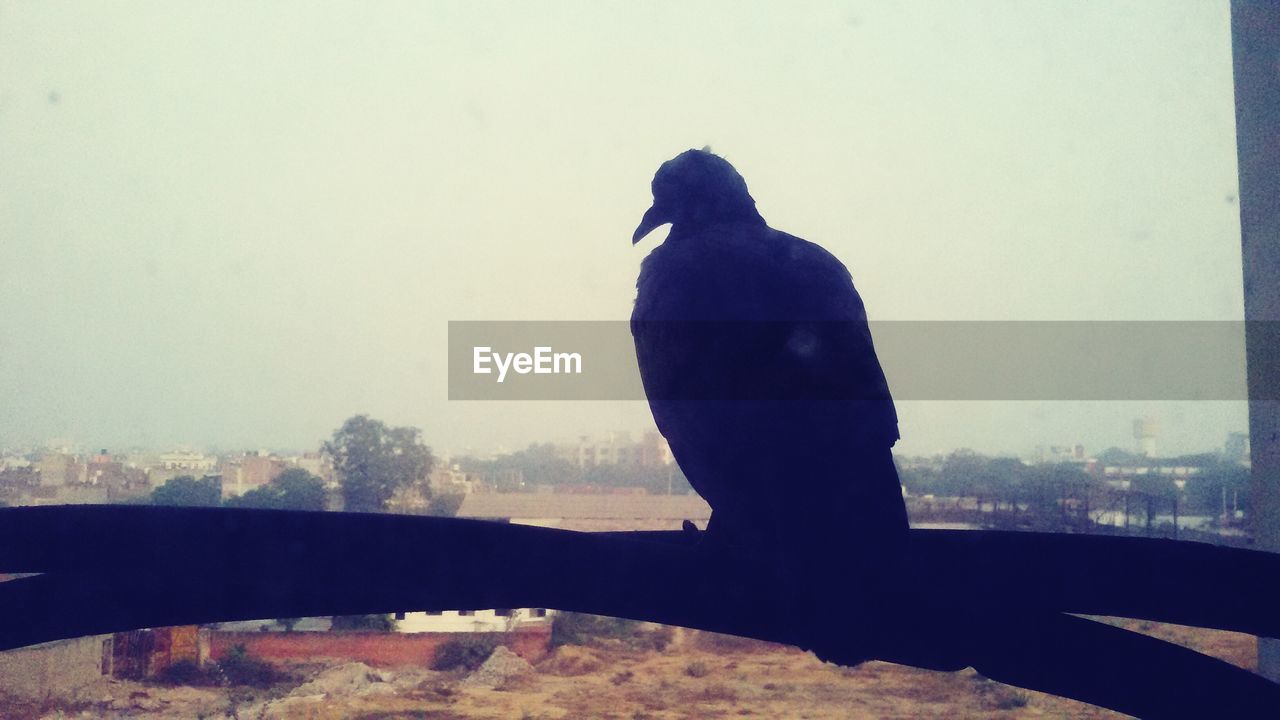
{"x": 760, "y": 370}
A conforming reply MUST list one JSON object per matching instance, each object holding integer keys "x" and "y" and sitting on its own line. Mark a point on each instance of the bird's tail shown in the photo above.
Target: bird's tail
{"x": 848, "y": 552}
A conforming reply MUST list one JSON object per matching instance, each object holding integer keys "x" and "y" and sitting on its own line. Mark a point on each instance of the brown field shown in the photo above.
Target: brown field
{"x": 696, "y": 676}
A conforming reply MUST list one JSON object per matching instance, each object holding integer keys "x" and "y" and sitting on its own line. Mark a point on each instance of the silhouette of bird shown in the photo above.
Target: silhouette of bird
{"x": 760, "y": 371}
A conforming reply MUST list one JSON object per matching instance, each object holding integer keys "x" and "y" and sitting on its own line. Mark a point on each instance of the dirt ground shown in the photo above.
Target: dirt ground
{"x": 696, "y": 676}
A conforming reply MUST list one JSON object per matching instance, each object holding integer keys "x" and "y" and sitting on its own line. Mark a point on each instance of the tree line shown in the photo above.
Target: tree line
{"x": 372, "y": 459}
{"x": 1052, "y": 495}
{"x": 541, "y": 464}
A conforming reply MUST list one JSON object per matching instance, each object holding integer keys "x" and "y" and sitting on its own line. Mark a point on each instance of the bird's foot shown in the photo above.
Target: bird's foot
{"x": 714, "y": 538}
{"x": 691, "y": 532}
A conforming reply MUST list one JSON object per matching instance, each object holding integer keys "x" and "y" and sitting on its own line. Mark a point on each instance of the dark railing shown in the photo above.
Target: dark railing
{"x": 995, "y": 601}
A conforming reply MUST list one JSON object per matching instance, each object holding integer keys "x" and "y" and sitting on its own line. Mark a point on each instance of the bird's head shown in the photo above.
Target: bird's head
{"x": 694, "y": 189}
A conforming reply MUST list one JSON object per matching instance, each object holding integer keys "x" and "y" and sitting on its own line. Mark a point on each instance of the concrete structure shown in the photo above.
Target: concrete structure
{"x": 60, "y": 469}
{"x": 1255, "y": 44}
{"x": 249, "y": 472}
{"x": 318, "y": 464}
{"x": 166, "y": 466}
{"x": 1145, "y": 432}
{"x": 102, "y": 469}
{"x": 1236, "y": 448}
{"x": 449, "y": 479}
{"x": 78, "y": 494}
{"x": 588, "y": 512}
{"x": 55, "y": 670}
{"x": 13, "y": 462}
{"x": 1060, "y": 454}
{"x": 191, "y": 463}
{"x": 372, "y": 648}
{"x": 146, "y": 653}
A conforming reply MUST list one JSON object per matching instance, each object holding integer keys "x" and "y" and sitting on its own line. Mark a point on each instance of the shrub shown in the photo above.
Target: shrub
{"x": 718, "y": 693}
{"x": 656, "y": 639}
{"x": 187, "y": 672}
{"x": 1011, "y": 700}
{"x": 570, "y": 628}
{"x": 446, "y": 505}
{"x": 241, "y": 668}
{"x": 467, "y": 652}
{"x": 697, "y": 669}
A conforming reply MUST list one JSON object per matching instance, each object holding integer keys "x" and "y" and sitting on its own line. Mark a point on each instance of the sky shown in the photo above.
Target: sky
{"x": 233, "y": 225}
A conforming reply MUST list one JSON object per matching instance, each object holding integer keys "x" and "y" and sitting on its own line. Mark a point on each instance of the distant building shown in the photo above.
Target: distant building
{"x": 1120, "y": 477}
{"x": 14, "y": 462}
{"x": 1236, "y": 448}
{"x": 653, "y": 451}
{"x": 167, "y": 466}
{"x": 450, "y": 479}
{"x": 195, "y": 463}
{"x": 930, "y": 462}
{"x": 60, "y": 469}
{"x": 75, "y": 494}
{"x": 249, "y": 472}
{"x": 109, "y": 471}
{"x": 1145, "y": 432}
{"x": 1053, "y": 454}
{"x": 16, "y": 481}
{"x": 318, "y": 464}
{"x": 618, "y": 448}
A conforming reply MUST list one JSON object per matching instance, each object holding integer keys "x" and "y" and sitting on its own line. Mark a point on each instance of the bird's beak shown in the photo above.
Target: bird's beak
{"x": 653, "y": 217}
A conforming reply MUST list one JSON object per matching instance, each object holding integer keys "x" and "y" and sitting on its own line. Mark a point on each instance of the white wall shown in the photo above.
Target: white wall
{"x": 480, "y": 621}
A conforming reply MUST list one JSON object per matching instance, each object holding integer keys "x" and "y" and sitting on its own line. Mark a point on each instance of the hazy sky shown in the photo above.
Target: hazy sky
{"x": 236, "y": 224}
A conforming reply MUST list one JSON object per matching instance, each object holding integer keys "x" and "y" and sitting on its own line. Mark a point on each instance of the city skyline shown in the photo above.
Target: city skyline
{"x": 1046, "y": 448}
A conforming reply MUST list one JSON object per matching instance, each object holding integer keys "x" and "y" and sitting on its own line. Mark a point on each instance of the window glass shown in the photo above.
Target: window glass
{"x": 235, "y": 239}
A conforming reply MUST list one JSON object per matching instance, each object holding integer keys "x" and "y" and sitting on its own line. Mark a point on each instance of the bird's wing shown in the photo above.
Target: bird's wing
{"x": 750, "y": 338}
{"x": 829, "y": 342}
{"x": 757, "y": 314}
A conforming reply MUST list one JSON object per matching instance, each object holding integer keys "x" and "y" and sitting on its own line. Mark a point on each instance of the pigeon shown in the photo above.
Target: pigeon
{"x": 760, "y": 371}
{"x": 759, "y": 366}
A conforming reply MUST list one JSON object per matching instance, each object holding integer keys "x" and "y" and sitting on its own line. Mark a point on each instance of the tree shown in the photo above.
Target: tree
{"x": 1050, "y": 492}
{"x": 539, "y": 465}
{"x": 964, "y": 472}
{"x": 1004, "y": 477}
{"x": 446, "y": 505}
{"x": 656, "y": 479}
{"x": 921, "y": 480}
{"x": 1157, "y": 491}
{"x": 1217, "y": 485}
{"x": 374, "y": 460}
{"x": 300, "y": 490}
{"x": 188, "y": 491}
{"x": 536, "y": 465}
{"x": 293, "y": 489}
{"x": 1117, "y": 456}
